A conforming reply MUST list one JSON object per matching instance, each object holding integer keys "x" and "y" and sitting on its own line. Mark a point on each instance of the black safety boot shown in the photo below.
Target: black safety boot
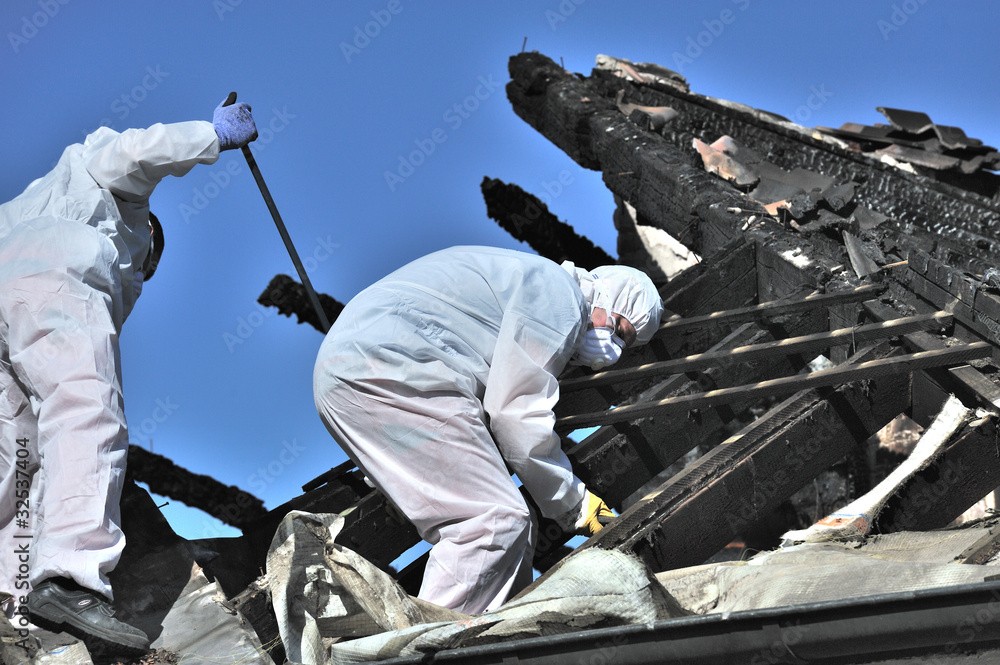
{"x": 65, "y": 605}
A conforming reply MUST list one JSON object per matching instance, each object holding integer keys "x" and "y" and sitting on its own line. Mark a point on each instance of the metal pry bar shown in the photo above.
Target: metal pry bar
{"x": 269, "y": 201}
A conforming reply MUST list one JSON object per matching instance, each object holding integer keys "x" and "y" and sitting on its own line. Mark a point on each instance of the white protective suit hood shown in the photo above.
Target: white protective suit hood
{"x": 621, "y": 290}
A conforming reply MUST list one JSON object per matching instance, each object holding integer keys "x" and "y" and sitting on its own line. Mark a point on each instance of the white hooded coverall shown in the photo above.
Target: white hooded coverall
{"x": 439, "y": 378}
{"x": 71, "y": 247}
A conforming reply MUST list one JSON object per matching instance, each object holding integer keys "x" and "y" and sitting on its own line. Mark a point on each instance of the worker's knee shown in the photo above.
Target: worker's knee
{"x": 513, "y": 525}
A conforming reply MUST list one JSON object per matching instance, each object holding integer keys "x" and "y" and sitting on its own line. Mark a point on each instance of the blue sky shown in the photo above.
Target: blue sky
{"x": 342, "y": 92}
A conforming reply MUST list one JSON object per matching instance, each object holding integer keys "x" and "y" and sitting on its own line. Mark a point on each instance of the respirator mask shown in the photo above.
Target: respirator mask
{"x": 601, "y": 346}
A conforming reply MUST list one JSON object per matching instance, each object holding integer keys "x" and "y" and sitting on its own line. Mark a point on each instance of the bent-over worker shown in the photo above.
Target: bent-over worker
{"x": 440, "y": 380}
{"x": 75, "y": 249}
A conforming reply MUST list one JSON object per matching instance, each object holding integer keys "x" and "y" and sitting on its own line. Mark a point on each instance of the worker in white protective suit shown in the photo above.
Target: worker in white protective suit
{"x": 440, "y": 380}
{"x": 75, "y": 248}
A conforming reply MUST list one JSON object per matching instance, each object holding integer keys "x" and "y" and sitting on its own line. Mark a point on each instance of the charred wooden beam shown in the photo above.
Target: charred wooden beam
{"x": 290, "y": 297}
{"x": 660, "y": 181}
{"x": 528, "y": 219}
{"x": 982, "y": 325}
{"x": 908, "y": 197}
{"x": 228, "y": 503}
{"x": 949, "y": 288}
{"x": 771, "y": 309}
{"x": 905, "y": 364}
{"x": 377, "y": 531}
{"x": 967, "y": 470}
{"x": 616, "y": 461}
{"x": 933, "y": 385}
{"x": 579, "y": 116}
{"x": 704, "y": 287}
{"x": 724, "y": 281}
{"x": 811, "y": 344}
{"x": 900, "y": 239}
{"x": 698, "y": 511}
{"x": 336, "y": 491}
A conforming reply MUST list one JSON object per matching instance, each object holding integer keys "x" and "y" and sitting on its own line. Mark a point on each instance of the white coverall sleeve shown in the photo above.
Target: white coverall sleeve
{"x": 521, "y": 393}
{"x": 131, "y": 164}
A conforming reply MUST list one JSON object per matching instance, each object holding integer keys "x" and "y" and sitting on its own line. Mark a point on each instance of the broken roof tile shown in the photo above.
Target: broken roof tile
{"x": 642, "y": 72}
{"x": 955, "y": 137}
{"x": 931, "y": 160}
{"x": 913, "y": 122}
{"x": 718, "y": 162}
{"x": 657, "y": 116}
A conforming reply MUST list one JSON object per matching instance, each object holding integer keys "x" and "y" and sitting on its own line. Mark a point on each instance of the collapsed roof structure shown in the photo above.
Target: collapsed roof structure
{"x": 772, "y": 244}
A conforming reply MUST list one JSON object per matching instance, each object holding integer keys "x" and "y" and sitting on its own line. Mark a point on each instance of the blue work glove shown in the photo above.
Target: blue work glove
{"x": 234, "y": 125}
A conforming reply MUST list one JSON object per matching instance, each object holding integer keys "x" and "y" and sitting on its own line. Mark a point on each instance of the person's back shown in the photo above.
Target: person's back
{"x": 456, "y": 303}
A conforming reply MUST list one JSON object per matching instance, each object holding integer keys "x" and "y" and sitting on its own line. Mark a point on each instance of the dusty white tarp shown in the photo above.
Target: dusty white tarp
{"x": 817, "y": 572}
{"x": 201, "y": 628}
{"x": 323, "y": 592}
{"x": 196, "y": 627}
{"x": 594, "y": 589}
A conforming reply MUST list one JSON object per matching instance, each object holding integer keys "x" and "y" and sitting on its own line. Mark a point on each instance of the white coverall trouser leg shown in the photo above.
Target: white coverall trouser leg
{"x": 60, "y": 388}
{"x": 449, "y": 479}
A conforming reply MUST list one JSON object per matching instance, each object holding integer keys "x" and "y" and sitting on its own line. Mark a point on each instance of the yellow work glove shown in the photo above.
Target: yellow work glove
{"x": 593, "y": 515}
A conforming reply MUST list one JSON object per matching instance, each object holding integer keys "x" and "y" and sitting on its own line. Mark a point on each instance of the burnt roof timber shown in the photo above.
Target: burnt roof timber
{"x": 908, "y": 197}
{"x": 227, "y": 503}
{"x": 650, "y": 445}
{"x": 771, "y": 309}
{"x": 781, "y": 385}
{"x": 975, "y": 321}
{"x": 959, "y": 284}
{"x": 966, "y": 471}
{"x": 633, "y": 161}
{"x": 707, "y": 504}
{"x": 965, "y": 381}
{"x": 884, "y": 187}
{"x": 724, "y": 281}
{"x": 592, "y": 131}
{"x": 290, "y": 297}
{"x": 529, "y": 220}
{"x": 813, "y": 344}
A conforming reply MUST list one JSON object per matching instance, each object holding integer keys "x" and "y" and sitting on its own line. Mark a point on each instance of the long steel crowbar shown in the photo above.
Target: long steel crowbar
{"x": 265, "y": 192}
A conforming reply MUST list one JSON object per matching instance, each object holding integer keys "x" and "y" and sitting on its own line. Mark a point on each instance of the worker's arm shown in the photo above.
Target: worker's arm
{"x": 521, "y": 393}
{"x": 132, "y": 163}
